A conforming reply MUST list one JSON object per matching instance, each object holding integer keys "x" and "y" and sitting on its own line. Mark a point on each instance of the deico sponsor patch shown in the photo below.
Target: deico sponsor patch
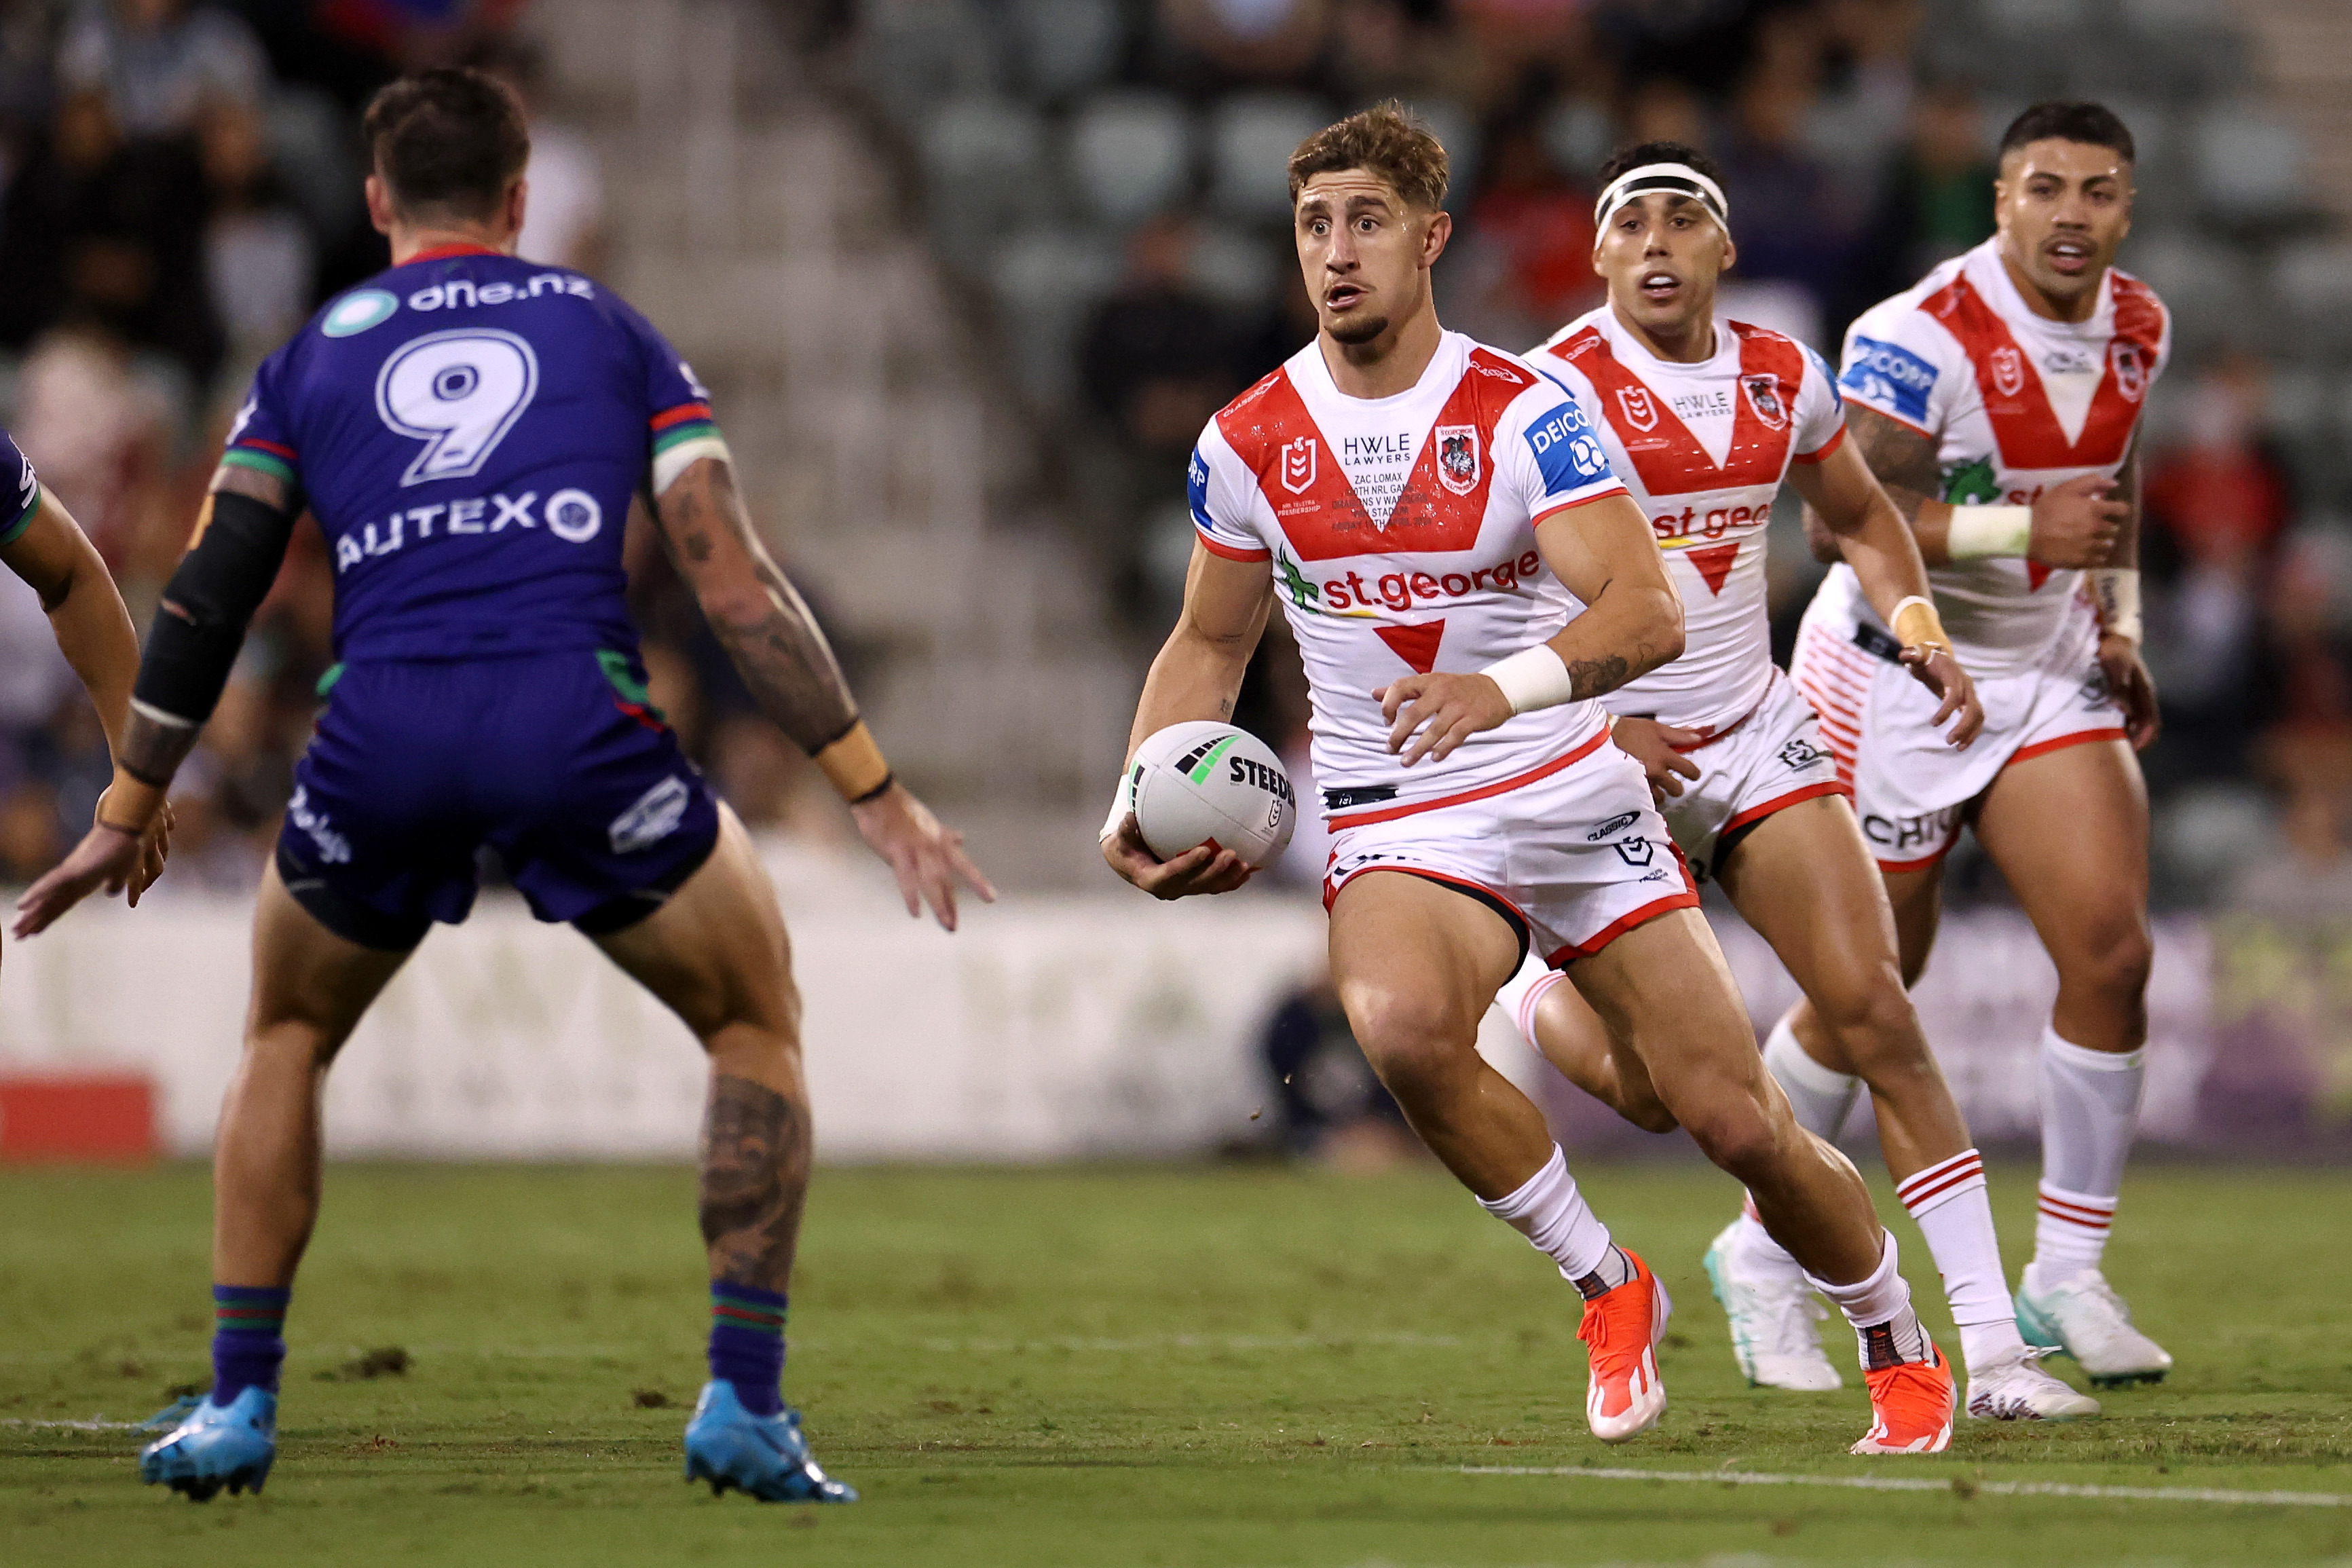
{"x": 1889, "y": 376}
{"x": 1566, "y": 451}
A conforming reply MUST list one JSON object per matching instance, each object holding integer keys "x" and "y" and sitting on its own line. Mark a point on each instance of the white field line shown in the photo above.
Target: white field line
{"x": 1959, "y": 1485}
{"x": 93, "y": 1424}
{"x": 1194, "y": 1343}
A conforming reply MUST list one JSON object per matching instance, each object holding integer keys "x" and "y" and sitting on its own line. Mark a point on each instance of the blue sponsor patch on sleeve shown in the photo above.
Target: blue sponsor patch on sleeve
{"x": 1196, "y": 488}
{"x": 1889, "y": 377}
{"x": 1567, "y": 452}
{"x": 1822, "y": 367}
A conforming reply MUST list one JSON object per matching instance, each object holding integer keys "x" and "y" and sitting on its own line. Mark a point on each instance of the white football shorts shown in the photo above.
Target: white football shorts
{"x": 1573, "y": 857}
{"x": 1911, "y": 791}
{"x": 1773, "y": 759}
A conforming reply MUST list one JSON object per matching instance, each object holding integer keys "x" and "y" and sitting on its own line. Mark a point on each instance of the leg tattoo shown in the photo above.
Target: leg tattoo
{"x": 755, "y": 1175}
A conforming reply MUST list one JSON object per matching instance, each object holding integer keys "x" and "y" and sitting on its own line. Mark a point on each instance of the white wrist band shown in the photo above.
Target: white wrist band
{"x": 2115, "y": 591}
{"x": 1532, "y": 677}
{"x": 1978, "y": 533}
{"x": 1120, "y": 803}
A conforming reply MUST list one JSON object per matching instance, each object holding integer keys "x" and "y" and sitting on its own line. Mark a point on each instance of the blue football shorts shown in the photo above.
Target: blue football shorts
{"x": 556, "y": 761}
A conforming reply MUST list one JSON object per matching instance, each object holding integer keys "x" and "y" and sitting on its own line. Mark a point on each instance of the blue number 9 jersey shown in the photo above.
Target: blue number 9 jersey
{"x": 468, "y": 428}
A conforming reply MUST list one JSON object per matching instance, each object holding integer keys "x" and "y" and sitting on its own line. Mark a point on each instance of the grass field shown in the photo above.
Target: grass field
{"x": 1242, "y": 1366}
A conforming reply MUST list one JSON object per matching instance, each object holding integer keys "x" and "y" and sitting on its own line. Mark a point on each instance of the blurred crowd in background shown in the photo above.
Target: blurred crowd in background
{"x": 1101, "y": 182}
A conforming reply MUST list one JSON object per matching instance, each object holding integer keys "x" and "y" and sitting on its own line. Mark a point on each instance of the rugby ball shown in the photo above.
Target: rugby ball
{"x": 1203, "y": 782}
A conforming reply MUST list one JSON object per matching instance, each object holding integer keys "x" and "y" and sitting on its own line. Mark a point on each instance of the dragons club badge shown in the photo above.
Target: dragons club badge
{"x": 1457, "y": 457}
{"x": 1764, "y": 397}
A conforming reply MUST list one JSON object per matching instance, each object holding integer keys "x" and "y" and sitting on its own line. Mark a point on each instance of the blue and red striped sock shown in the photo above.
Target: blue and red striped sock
{"x": 248, "y": 1338}
{"x": 747, "y": 1343}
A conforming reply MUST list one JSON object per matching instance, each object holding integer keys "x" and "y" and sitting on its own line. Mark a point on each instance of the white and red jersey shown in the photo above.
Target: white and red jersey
{"x": 1703, "y": 448}
{"x": 1402, "y": 532}
{"x": 2015, "y": 402}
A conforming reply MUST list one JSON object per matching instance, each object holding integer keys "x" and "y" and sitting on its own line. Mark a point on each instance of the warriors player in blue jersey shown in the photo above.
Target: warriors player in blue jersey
{"x": 468, "y": 429}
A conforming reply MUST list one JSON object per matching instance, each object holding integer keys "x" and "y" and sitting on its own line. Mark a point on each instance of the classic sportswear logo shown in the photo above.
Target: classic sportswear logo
{"x": 1891, "y": 376}
{"x": 357, "y": 311}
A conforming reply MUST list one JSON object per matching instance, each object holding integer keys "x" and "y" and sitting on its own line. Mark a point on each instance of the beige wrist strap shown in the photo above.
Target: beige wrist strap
{"x": 856, "y": 765}
{"x": 130, "y": 804}
{"x": 1915, "y": 624}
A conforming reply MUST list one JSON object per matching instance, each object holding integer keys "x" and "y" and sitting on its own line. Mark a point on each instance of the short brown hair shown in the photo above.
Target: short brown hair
{"x": 1386, "y": 139}
{"x": 448, "y": 138}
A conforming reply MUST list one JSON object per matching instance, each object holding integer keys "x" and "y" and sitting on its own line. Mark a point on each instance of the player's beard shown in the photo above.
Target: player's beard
{"x": 1354, "y": 334}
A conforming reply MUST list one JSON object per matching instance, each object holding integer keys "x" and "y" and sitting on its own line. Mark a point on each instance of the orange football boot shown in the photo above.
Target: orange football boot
{"x": 1620, "y": 1332}
{"x": 1912, "y": 1403}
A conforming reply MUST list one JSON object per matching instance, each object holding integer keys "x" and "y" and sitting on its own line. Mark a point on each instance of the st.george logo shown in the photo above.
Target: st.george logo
{"x": 1457, "y": 457}
{"x": 1764, "y": 397}
{"x": 2007, "y": 370}
{"x": 1298, "y": 465}
{"x": 1641, "y": 411}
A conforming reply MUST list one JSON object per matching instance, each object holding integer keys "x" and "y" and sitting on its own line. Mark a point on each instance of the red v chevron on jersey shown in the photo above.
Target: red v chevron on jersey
{"x": 1714, "y": 563}
{"x": 1444, "y": 503}
{"x": 1417, "y": 646}
{"x": 2025, "y": 426}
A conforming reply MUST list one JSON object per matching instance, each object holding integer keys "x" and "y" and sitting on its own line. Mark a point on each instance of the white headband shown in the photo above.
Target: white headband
{"x": 1671, "y": 179}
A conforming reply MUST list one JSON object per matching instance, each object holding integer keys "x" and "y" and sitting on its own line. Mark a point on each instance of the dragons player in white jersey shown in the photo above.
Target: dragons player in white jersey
{"x": 1424, "y": 509}
{"x": 1704, "y": 417}
{"x": 1998, "y": 401}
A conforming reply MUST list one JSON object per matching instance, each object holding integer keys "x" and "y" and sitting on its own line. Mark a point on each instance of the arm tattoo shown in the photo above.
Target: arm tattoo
{"x": 755, "y": 1175}
{"x": 1904, "y": 460}
{"x": 760, "y": 619}
{"x": 1592, "y": 676}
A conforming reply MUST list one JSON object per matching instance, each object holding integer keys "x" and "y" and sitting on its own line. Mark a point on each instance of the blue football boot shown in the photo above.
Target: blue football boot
{"x": 217, "y": 1446}
{"x": 765, "y": 1456}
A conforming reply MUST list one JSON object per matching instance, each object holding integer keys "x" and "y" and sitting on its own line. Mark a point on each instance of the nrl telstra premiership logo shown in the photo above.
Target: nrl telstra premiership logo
{"x": 1298, "y": 465}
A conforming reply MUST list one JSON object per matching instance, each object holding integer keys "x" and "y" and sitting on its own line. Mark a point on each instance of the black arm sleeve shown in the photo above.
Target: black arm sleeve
{"x": 200, "y": 624}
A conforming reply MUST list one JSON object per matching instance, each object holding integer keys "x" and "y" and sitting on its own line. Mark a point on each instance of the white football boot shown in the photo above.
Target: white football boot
{"x": 2085, "y": 1317}
{"x": 1772, "y": 1321}
{"x": 2019, "y": 1390}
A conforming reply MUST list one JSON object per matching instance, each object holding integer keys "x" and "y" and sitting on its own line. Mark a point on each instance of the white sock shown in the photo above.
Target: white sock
{"x": 2090, "y": 1111}
{"x": 1756, "y": 1256}
{"x": 1821, "y": 1098}
{"x": 1556, "y": 1220}
{"x": 1949, "y": 1202}
{"x": 1520, "y": 994}
{"x": 1879, "y": 1307}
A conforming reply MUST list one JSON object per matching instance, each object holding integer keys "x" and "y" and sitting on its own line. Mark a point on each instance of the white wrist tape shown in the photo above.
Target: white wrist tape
{"x": 1980, "y": 531}
{"x": 1121, "y": 804}
{"x": 2115, "y": 591}
{"x": 1532, "y": 677}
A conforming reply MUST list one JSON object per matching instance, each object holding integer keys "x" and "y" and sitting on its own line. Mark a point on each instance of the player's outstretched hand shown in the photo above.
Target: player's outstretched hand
{"x": 1437, "y": 712}
{"x": 106, "y": 858}
{"x": 1652, "y": 745}
{"x": 1199, "y": 869}
{"x": 2129, "y": 683}
{"x": 1935, "y": 669}
{"x": 927, "y": 859}
{"x": 2075, "y": 523}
